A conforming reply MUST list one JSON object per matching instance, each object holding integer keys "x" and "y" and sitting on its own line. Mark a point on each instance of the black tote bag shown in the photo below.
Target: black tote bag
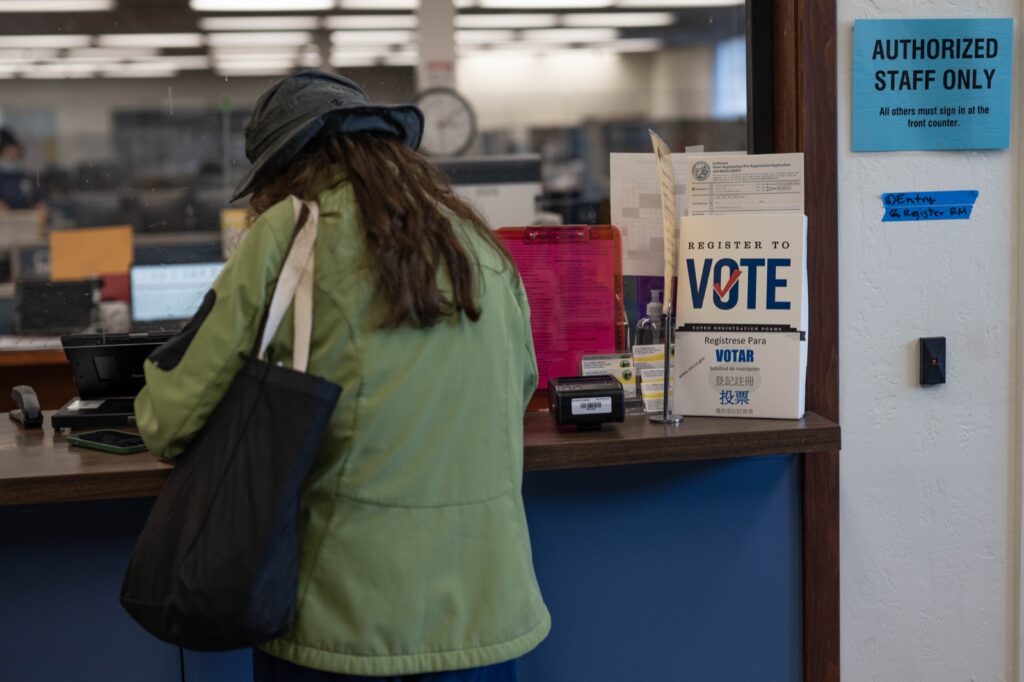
{"x": 216, "y": 566}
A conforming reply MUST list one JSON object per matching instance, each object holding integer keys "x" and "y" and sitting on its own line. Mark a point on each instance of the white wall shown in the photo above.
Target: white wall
{"x": 558, "y": 89}
{"x": 561, "y": 89}
{"x": 929, "y": 478}
{"x": 682, "y": 82}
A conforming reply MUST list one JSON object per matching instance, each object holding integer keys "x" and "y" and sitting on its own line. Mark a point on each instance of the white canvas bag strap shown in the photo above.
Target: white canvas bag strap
{"x": 295, "y": 284}
{"x": 303, "y": 305}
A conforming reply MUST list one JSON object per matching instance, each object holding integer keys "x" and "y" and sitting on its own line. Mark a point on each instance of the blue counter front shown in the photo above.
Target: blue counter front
{"x": 672, "y": 571}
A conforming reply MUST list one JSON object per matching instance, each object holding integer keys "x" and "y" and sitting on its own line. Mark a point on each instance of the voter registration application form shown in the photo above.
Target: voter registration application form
{"x": 762, "y": 183}
{"x": 636, "y": 209}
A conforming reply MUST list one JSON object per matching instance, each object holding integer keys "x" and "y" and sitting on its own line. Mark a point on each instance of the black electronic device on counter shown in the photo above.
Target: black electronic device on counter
{"x": 44, "y": 308}
{"x": 586, "y": 402}
{"x": 27, "y": 412}
{"x": 108, "y": 376}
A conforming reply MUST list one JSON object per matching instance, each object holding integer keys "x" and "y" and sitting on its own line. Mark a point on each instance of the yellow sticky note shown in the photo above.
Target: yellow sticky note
{"x": 90, "y": 252}
{"x": 234, "y": 222}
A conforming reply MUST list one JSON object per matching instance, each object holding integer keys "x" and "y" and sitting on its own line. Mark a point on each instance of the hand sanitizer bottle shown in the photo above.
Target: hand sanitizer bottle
{"x": 650, "y": 329}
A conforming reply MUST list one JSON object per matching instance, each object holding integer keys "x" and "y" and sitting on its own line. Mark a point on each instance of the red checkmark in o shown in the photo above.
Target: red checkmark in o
{"x": 722, "y": 291}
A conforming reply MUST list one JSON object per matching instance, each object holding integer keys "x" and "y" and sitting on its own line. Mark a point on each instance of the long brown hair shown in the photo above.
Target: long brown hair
{"x": 402, "y": 200}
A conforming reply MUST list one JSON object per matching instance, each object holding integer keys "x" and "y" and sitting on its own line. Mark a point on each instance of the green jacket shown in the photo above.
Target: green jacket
{"x": 415, "y": 554}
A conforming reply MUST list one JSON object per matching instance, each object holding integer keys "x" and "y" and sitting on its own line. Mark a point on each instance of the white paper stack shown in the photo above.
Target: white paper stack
{"x": 741, "y": 347}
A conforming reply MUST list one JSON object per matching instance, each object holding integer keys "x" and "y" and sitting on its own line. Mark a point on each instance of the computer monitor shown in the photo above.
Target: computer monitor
{"x": 171, "y": 293}
{"x": 47, "y": 308}
{"x": 504, "y": 189}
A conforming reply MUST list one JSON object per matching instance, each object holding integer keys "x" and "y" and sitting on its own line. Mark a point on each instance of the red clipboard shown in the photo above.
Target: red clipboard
{"x": 573, "y": 280}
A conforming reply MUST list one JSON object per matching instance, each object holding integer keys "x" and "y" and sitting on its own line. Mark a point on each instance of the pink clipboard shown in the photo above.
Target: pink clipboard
{"x": 573, "y": 280}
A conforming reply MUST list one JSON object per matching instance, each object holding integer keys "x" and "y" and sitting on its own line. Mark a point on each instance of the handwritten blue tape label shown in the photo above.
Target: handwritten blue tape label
{"x": 955, "y": 198}
{"x": 916, "y": 213}
{"x": 913, "y": 206}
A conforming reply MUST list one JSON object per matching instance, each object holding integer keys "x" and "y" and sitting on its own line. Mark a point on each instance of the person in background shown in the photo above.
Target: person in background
{"x": 415, "y": 559}
{"x": 17, "y": 190}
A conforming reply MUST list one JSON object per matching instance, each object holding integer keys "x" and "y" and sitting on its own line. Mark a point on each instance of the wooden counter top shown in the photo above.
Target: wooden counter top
{"x": 38, "y": 466}
{"x": 639, "y": 441}
{"x": 32, "y": 358}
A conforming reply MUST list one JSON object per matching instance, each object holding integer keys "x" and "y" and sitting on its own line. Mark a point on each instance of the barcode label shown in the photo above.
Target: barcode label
{"x": 592, "y": 406}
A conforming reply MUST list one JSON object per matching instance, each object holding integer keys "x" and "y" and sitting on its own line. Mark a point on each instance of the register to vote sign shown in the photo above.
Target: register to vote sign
{"x": 932, "y": 84}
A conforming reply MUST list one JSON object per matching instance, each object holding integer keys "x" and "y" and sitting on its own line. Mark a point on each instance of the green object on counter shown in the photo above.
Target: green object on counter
{"x": 116, "y": 442}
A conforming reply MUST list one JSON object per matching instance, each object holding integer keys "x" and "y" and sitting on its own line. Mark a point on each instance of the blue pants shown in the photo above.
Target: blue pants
{"x": 267, "y": 668}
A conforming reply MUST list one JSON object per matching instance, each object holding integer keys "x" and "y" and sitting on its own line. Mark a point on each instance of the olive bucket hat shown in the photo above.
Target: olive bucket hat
{"x": 299, "y": 107}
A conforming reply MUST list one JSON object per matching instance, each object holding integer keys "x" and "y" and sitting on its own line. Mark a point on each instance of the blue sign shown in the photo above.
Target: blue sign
{"x": 918, "y": 206}
{"x": 932, "y": 84}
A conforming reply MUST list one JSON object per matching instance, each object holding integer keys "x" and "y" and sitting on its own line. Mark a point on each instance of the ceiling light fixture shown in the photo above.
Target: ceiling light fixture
{"x": 24, "y": 56}
{"x": 357, "y": 55}
{"x": 268, "y": 71}
{"x": 255, "y": 65}
{"x": 56, "y": 6}
{"x": 257, "y": 50}
{"x": 679, "y": 4}
{"x": 187, "y": 62}
{"x": 151, "y": 40}
{"x": 92, "y": 59}
{"x": 299, "y": 23}
{"x": 371, "y": 37}
{"x": 570, "y": 35}
{"x": 152, "y": 72}
{"x": 379, "y": 4}
{"x": 618, "y": 19}
{"x": 630, "y": 45}
{"x": 269, "y": 66}
{"x": 398, "y": 59}
{"x": 112, "y": 52}
{"x": 371, "y": 21}
{"x": 61, "y": 66}
{"x": 519, "y": 20}
{"x": 276, "y": 55}
{"x": 515, "y": 47}
{"x": 353, "y": 62}
{"x": 353, "y": 48}
{"x": 483, "y": 37}
{"x": 261, "y": 5}
{"x": 55, "y": 75}
{"x": 371, "y": 57}
{"x": 57, "y": 41}
{"x": 543, "y": 4}
{"x": 267, "y": 38}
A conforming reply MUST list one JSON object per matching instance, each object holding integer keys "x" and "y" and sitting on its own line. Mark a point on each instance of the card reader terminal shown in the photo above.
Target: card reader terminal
{"x": 586, "y": 402}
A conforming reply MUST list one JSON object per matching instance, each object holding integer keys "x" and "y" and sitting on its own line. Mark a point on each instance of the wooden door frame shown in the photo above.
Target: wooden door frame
{"x": 800, "y": 82}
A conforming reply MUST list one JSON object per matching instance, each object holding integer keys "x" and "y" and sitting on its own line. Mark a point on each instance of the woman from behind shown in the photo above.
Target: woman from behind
{"x": 415, "y": 561}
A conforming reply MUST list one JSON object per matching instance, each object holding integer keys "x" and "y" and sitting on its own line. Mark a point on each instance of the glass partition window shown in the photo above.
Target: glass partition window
{"x": 123, "y": 123}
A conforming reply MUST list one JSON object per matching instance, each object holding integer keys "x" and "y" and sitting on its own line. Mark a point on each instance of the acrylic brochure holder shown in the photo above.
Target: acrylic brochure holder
{"x": 741, "y": 345}
{"x": 573, "y": 280}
